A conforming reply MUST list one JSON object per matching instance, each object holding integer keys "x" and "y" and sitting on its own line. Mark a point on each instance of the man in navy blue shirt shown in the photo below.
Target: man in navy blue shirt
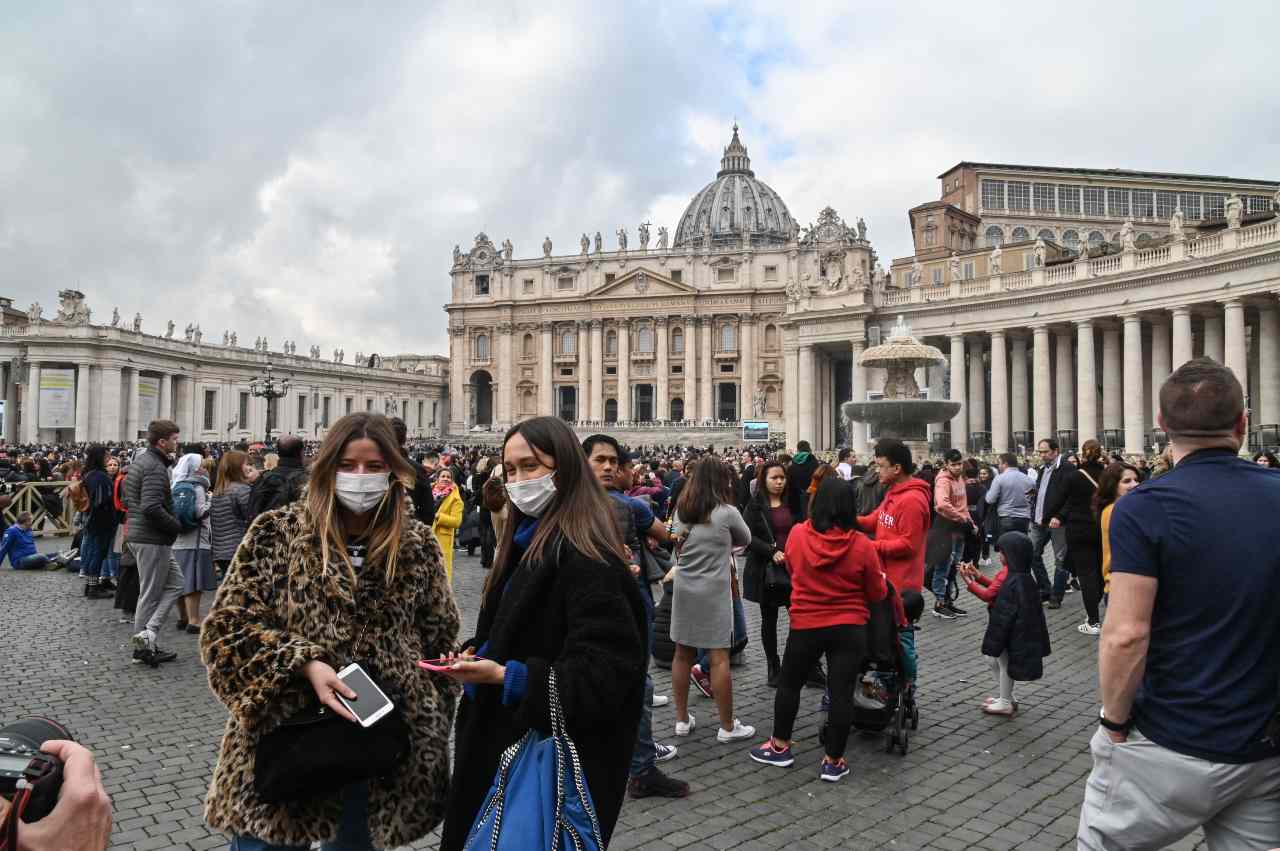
{"x": 1189, "y": 660}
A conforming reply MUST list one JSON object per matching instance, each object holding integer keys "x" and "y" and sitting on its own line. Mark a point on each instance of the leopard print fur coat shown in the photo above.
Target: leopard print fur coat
{"x": 278, "y": 609}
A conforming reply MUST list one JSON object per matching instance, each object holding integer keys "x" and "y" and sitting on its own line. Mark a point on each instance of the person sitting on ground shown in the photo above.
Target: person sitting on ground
{"x": 19, "y": 546}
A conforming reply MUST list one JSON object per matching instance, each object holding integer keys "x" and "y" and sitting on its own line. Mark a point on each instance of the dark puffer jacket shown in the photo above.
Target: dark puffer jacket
{"x": 1017, "y": 618}
{"x": 149, "y": 501}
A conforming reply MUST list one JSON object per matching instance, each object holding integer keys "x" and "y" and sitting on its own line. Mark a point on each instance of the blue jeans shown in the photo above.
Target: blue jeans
{"x": 1040, "y": 536}
{"x": 942, "y": 570}
{"x": 111, "y": 566}
{"x": 353, "y": 827}
{"x": 94, "y": 548}
{"x": 739, "y": 630}
{"x": 645, "y": 755}
{"x": 35, "y": 561}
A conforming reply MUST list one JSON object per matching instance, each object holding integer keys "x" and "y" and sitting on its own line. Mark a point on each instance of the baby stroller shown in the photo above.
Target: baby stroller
{"x": 882, "y": 699}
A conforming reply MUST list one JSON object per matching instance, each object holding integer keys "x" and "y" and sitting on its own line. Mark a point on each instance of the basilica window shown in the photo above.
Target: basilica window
{"x": 1071, "y": 239}
{"x": 1094, "y": 201}
{"x": 1118, "y": 202}
{"x": 1143, "y": 238}
{"x": 482, "y": 284}
{"x": 993, "y": 194}
{"x": 1143, "y": 203}
{"x": 1046, "y": 235}
{"x": 1215, "y": 205}
{"x": 1021, "y": 234}
{"x": 526, "y": 346}
{"x": 771, "y": 273}
{"x": 1095, "y": 238}
{"x": 677, "y": 409}
{"x": 482, "y": 347}
{"x": 568, "y": 342}
{"x": 644, "y": 340}
{"x": 564, "y": 282}
{"x": 609, "y": 277}
{"x": 1166, "y": 203}
{"x": 995, "y": 236}
{"x": 1190, "y": 202}
{"x": 1257, "y": 203}
{"x": 724, "y": 275}
{"x": 937, "y": 276}
{"x": 1069, "y": 200}
{"x": 526, "y": 402}
{"x": 611, "y": 343}
{"x": 728, "y": 342}
{"x": 1044, "y": 196}
{"x": 677, "y": 341}
{"x": 677, "y": 275}
{"x": 968, "y": 270}
{"x": 527, "y": 285}
{"x": 1019, "y": 196}
{"x": 770, "y": 337}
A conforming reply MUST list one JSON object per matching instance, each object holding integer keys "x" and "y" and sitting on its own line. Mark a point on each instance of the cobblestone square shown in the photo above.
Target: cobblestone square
{"x": 969, "y": 780}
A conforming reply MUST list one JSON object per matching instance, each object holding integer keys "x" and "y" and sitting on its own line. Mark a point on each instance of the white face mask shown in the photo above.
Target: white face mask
{"x": 360, "y": 493}
{"x": 533, "y": 495}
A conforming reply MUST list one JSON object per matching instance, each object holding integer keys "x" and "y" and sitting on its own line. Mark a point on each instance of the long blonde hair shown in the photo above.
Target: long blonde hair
{"x": 389, "y": 520}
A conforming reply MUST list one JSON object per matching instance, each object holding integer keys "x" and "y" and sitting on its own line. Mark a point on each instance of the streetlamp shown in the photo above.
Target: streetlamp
{"x": 267, "y": 386}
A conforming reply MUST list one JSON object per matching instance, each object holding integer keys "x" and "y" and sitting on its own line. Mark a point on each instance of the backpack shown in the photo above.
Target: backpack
{"x": 79, "y": 496}
{"x": 184, "y": 505}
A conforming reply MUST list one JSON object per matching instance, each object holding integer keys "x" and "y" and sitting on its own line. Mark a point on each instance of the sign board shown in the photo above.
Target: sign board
{"x": 755, "y": 431}
{"x": 148, "y": 400}
{"x": 57, "y": 398}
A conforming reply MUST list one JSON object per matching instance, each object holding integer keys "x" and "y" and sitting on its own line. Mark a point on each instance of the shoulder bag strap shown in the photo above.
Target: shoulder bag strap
{"x": 1090, "y": 478}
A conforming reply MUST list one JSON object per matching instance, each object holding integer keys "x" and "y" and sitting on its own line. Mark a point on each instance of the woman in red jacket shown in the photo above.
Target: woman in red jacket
{"x": 835, "y": 575}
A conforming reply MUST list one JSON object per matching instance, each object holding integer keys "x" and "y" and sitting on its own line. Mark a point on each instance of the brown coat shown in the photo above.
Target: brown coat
{"x": 278, "y": 609}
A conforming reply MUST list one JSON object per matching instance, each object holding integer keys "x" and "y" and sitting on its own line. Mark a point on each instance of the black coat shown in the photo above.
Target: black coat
{"x": 585, "y": 619}
{"x": 798, "y": 477}
{"x": 1076, "y": 512}
{"x": 1017, "y": 625}
{"x": 1056, "y": 497}
{"x": 759, "y": 555}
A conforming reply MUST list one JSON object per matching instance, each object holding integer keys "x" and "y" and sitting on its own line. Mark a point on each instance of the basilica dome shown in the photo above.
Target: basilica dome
{"x": 734, "y": 203}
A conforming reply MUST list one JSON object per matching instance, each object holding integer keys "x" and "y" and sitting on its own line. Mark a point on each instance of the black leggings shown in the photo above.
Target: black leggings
{"x": 769, "y": 630}
{"x": 1085, "y": 563}
{"x": 845, "y": 646}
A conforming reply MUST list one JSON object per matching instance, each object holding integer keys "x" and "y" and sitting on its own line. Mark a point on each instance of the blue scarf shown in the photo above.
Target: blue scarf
{"x": 524, "y": 533}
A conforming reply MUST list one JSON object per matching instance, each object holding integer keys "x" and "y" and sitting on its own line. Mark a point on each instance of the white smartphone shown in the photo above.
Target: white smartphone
{"x": 369, "y": 704}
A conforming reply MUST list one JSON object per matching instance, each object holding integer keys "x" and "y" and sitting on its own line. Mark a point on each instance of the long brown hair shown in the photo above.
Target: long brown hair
{"x": 579, "y": 511}
{"x": 762, "y": 475}
{"x": 1090, "y": 452}
{"x": 710, "y": 484}
{"x": 230, "y": 470}
{"x": 1109, "y": 485}
{"x": 389, "y": 519}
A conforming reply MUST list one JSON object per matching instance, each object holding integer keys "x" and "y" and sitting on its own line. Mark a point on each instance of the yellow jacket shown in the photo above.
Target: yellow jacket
{"x": 448, "y": 519}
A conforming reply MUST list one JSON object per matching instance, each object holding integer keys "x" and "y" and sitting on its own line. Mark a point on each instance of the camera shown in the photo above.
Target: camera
{"x": 22, "y": 759}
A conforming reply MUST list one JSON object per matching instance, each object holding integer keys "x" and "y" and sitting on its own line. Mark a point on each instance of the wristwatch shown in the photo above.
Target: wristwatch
{"x": 1113, "y": 726}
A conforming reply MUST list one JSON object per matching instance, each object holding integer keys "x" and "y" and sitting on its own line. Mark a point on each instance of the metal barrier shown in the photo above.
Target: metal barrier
{"x": 29, "y": 496}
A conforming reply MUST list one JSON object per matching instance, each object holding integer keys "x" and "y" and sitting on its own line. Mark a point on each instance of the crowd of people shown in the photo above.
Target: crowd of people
{"x": 320, "y": 555}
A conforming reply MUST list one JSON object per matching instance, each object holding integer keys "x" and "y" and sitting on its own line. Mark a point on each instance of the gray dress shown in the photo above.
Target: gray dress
{"x": 702, "y": 605}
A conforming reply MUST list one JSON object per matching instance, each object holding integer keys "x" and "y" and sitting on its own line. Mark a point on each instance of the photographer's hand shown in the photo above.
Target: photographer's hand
{"x": 81, "y": 820}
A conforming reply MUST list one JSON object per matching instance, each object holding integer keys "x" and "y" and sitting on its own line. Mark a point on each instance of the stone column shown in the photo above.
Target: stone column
{"x": 1112, "y": 375}
{"x": 132, "y": 425}
{"x": 977, "y": 386}
{"x": 1018, "y": 381}
{"x": 504, "y": 393}
{"x": 999, "y": 394}
{"x": 457, "y": 382}
{"x": 858, "y": 390}
{"x": 31, "y": 405}
{"x": 1086, "y": 383}
{"x": 706, "y": 393}
{"x": 109, "y": 404}
{"x": 746, "y": 365}
{"x": 1213, "y": 342}
{"x": 624, "y": 370}
{"x": 1134, "y": 401}
{"x": 1160, "y": 357}
{"x": 662, "y": 390}
{"x": 597, "y": 370}
{"x": 166, "y": 399}
{"x": 546, "y": 375}
{"x": 691, "y": 369}
{"x": 584, "y": 361}
{"x": 10, "y": 404}
{"x": 1042, "y": 384}
{"x": 1236, "y": 349}
{"x": 82, "y": 402}
{"x": 1182, "y": 351}
{"x": 807, "y": 395}
{"x": 1268, "y": 406}
{"x": 790, "y": 395}
{"x": 1063, "y": 380}
{"x": 193, "y": 389}
{"x": 960, "y": 422}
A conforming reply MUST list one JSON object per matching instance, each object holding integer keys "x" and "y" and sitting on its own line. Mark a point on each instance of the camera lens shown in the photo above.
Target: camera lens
{"x": 34, "y": 732}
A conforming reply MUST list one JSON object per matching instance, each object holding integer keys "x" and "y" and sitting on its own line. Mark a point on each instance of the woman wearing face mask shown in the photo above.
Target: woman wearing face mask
{"x": 448, "y": 516}
{"x": 558, "y": 599}
{"x": 343, "y": 574}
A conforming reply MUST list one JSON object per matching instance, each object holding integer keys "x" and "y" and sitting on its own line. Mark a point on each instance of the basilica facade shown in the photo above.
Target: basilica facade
{"x": 1061, "y": 297}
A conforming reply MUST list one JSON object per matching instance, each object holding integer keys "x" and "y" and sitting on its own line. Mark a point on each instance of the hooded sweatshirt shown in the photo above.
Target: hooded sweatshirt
{"x": 834, "y": 575}
{"x": 900, "y": 526}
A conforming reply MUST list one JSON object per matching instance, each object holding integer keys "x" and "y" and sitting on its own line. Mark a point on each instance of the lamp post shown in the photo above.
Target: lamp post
{"x": 267, "y": 386}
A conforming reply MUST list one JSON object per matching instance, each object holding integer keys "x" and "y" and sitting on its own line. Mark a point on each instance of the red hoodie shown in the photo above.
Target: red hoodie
{"x": 834, "y": 575}
{"x": 900, "y": 525}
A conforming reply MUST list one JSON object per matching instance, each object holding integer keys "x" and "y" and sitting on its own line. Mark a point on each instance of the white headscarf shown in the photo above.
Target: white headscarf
{"x": 186, "y": 468}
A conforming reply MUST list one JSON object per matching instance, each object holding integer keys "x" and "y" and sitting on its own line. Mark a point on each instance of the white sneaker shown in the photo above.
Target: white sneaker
{"x": 145, "y": 640}
{"x": 683, "y": 728}
{"x": 1000, "y": 706}
{"x": 659, "y": 700}
{"x": 739, "y": 731}
{"x": 1089, "y": 628}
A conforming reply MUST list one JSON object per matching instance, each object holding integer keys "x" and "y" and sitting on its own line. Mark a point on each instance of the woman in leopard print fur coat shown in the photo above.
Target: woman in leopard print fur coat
{"x": 285, "y": 619}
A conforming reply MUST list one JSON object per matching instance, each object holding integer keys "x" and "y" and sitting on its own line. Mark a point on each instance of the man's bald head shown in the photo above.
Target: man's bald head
{"x": 289, "y": 446}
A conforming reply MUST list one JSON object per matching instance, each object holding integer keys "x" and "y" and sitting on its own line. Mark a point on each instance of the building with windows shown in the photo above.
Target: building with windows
{"x": 68, "y": 379}
{"x": 1063, "y": 296}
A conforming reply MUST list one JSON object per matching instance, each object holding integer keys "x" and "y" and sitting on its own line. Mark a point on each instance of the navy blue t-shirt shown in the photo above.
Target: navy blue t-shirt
{"x": 1206, "y": 532}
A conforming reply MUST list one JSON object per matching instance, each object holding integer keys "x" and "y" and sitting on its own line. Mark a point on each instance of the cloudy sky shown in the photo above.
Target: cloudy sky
{"x": 303, "y": 169}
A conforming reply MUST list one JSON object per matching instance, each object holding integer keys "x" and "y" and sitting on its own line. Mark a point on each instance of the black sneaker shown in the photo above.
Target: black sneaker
{"x": 146, "y": 656}
{"x": 97, "y": 592}
{"x": 1054, "y": 604}
{"x": 163, "y": 655}
{"x": 942, "y": 610}
{"x": 654, "y": 784}
{"x": 956, "y": 610}
{"x": 108, "y": 585}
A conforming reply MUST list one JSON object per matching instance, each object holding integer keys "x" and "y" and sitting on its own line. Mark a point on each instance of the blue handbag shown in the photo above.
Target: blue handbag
{"x": 539, "y": 798}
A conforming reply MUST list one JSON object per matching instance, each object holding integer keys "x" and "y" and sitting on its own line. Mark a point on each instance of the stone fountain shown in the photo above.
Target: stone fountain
{"x": 901, "y": 413}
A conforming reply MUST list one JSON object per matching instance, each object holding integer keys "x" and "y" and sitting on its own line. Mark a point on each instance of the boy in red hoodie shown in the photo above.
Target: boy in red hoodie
{"x": 901, "y": 523}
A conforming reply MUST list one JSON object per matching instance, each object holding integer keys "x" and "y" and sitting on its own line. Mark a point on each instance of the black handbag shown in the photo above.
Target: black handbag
{"x": 317, "y": 753}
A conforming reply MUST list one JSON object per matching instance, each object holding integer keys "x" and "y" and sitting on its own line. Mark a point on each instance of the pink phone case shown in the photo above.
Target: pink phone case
{"x": 427, "y": 665}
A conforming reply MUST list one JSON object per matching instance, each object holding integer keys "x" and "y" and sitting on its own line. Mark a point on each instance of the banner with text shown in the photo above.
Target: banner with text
{"x": 57, "y": 398}
{"x": 148, "y": 400}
